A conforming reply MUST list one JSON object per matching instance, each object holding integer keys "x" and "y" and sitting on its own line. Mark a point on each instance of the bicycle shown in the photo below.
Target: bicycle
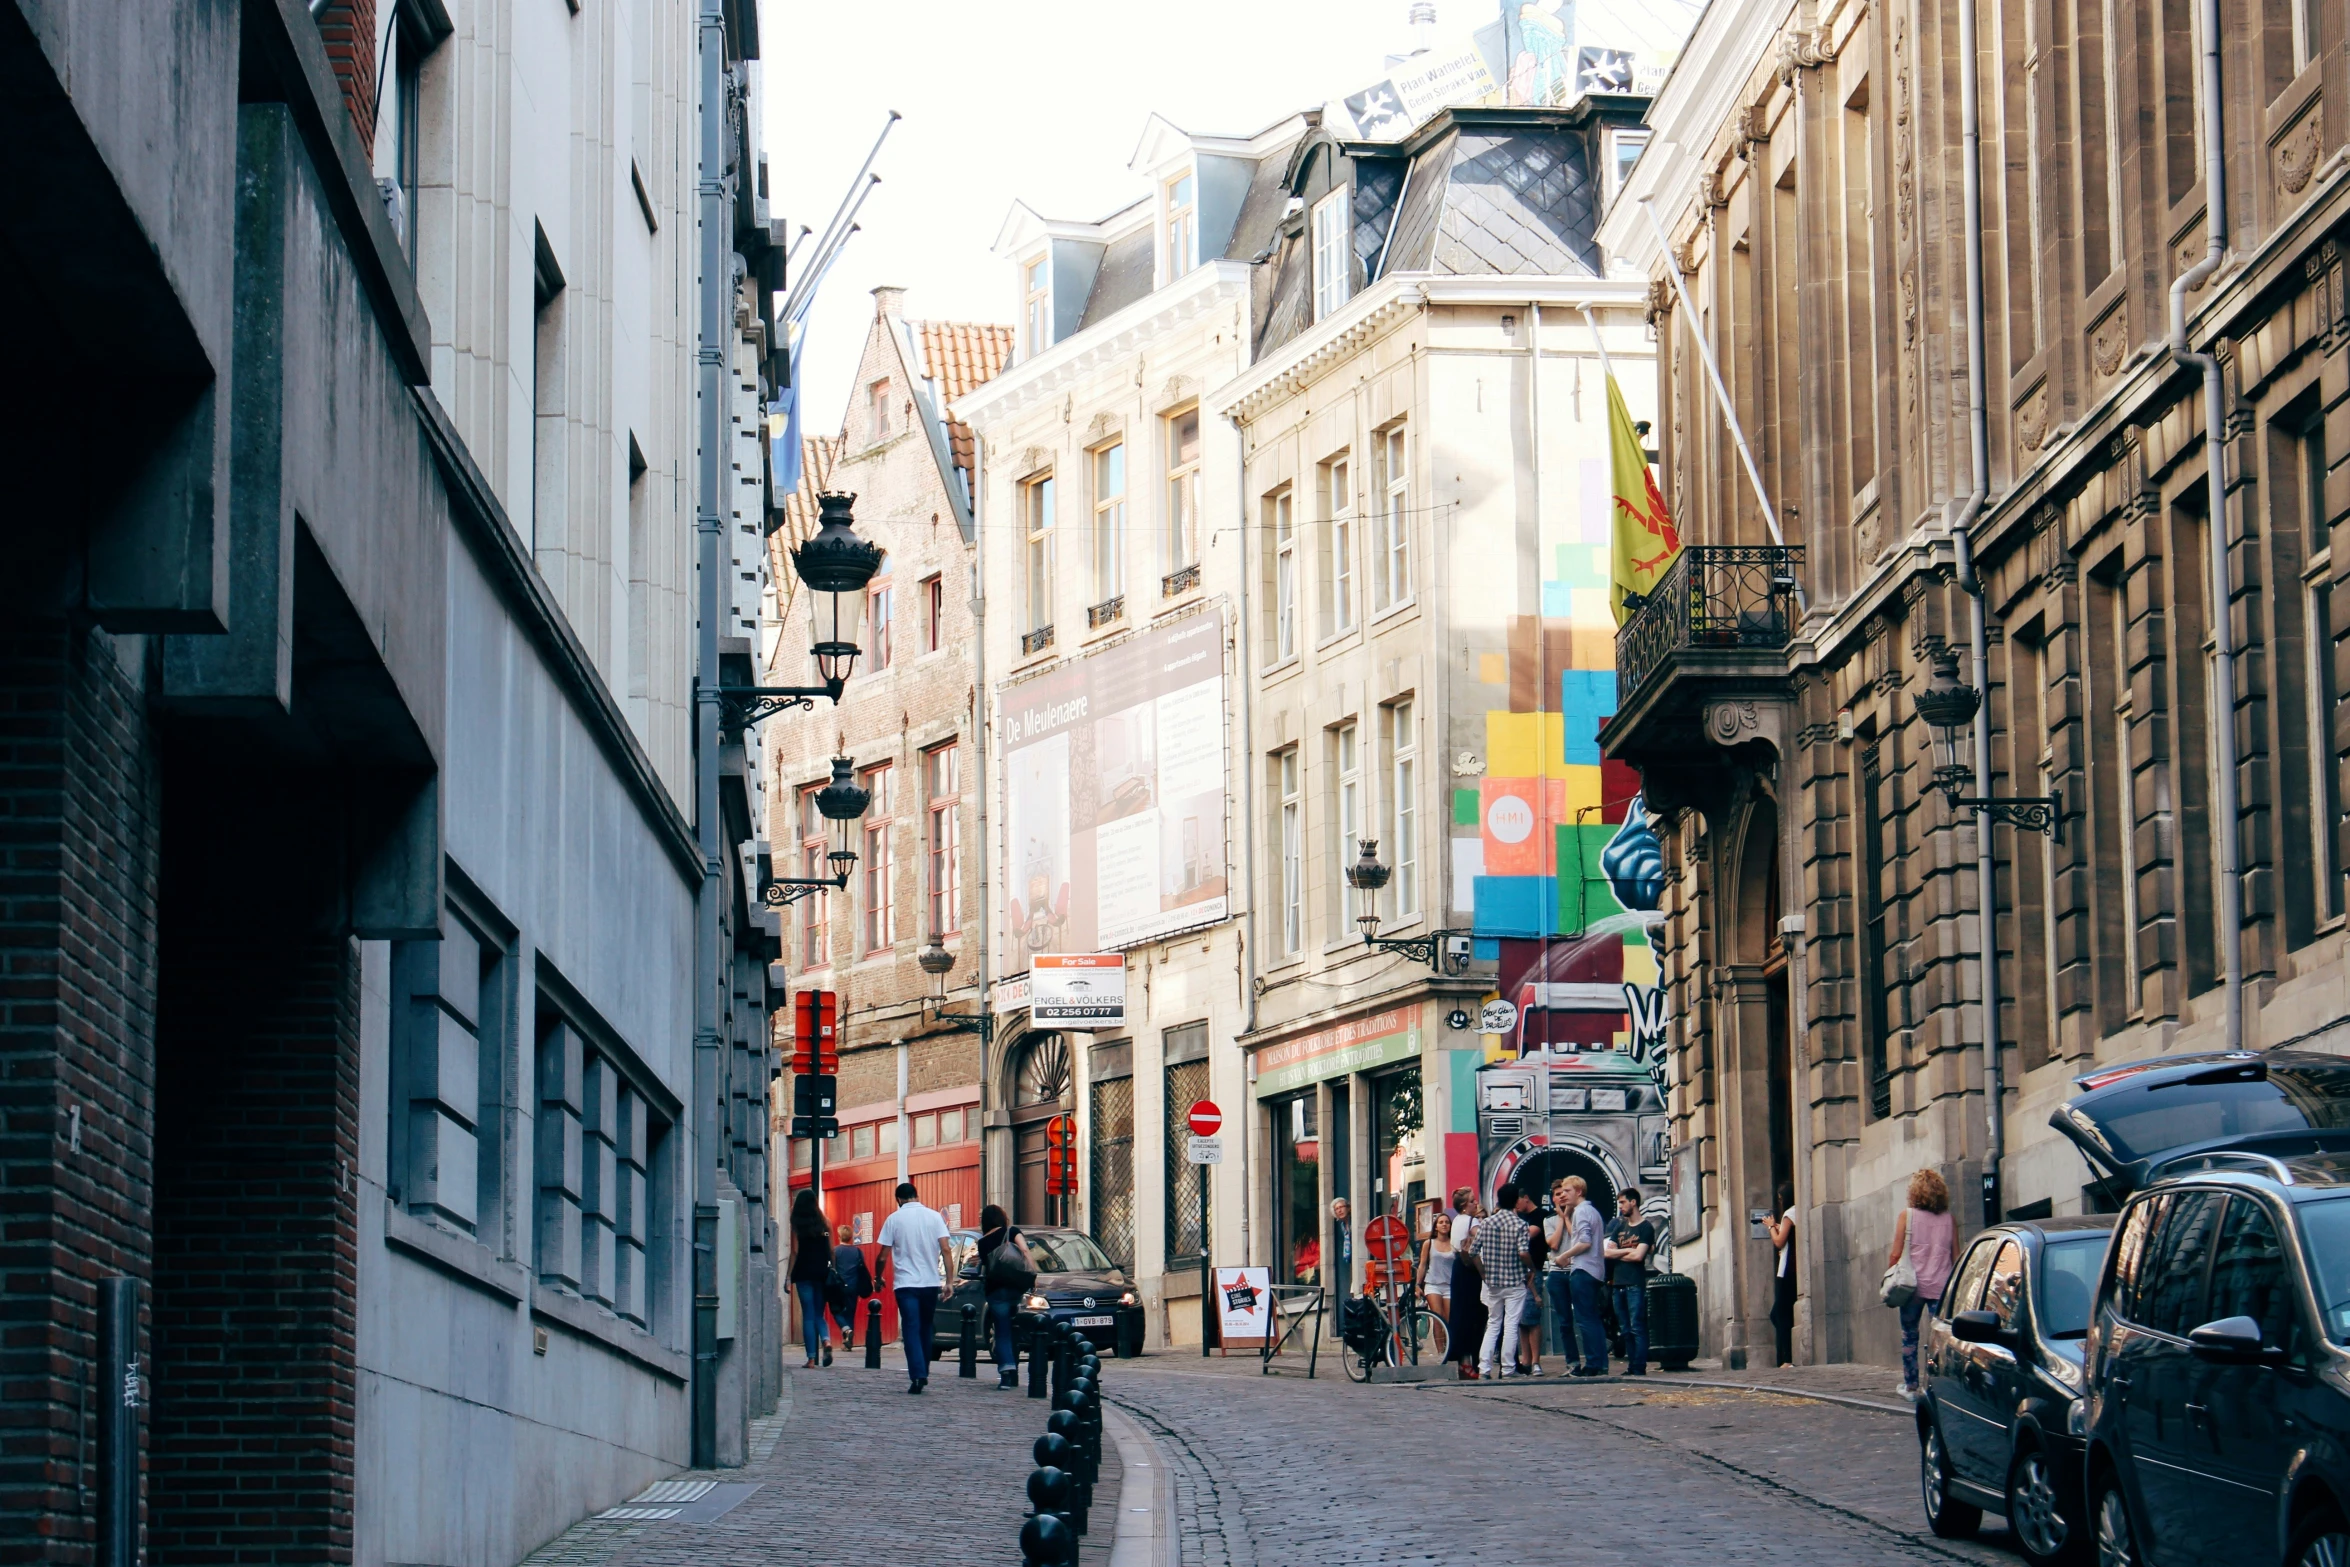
{"x": 1375, "y": 1340}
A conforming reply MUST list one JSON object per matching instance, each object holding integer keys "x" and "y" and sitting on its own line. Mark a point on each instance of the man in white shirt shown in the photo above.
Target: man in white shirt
{"x": 921, "y": 1259}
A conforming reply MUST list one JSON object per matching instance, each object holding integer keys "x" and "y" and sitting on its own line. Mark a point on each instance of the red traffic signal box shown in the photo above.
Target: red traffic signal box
{"x": 816, "y": 1032}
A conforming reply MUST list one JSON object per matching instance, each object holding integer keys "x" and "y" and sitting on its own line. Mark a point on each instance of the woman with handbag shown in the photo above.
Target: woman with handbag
{"x": 1924, "y": 1239}
{"x": 811, "y": 1267}
{"x": 1782, "y": 1231}
{"x": 1007, "y": 1275}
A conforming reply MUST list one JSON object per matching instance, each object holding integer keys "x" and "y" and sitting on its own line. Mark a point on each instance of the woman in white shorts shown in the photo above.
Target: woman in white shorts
{"x": 1436, "y": 1268}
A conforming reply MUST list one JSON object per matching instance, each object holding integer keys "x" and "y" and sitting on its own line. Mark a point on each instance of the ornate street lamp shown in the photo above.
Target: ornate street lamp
{"x": 1949, "y": 706}
{"x": 843, "y": 800}
{"x": 1446, "y": 952}
{"x": 835, "y": 561}
{"x": 937, "y": 962}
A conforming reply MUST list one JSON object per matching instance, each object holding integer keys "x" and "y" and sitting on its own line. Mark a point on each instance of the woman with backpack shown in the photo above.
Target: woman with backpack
{"x": 846, "y": 1286}
{"x": 811, "y": 1271}
{"x": 1007, "y": 1275}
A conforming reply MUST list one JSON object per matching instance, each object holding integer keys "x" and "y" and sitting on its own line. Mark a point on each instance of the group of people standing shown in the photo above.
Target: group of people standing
{"x": 1494, "y": 1275}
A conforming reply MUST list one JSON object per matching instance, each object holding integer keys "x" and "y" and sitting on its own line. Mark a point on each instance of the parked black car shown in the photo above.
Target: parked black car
{"x": 2134, "y": 1120}
{"x": 1999, "y": 1425}
{"x": 1076, "y": 1282}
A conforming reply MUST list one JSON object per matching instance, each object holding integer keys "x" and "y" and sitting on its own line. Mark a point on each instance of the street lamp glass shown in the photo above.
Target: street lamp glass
{"x": 1948, "y": 708}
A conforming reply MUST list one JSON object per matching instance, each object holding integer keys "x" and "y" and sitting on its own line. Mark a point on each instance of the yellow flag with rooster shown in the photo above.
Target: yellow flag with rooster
{"x": 1645, "y": 539}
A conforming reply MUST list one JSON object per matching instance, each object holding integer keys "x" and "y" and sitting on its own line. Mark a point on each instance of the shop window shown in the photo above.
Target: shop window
{"x": 1187, "y": 1084}
{"x": 950, "y": 1126}
{"x": 1296, "y": 1191}
{"x": 925, "y": 1131}
{"x": 861, "y": 1143}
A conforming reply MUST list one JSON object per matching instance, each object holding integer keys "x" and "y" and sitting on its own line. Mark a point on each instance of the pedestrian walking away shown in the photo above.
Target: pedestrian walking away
{"x": 1782, "y": 1231}
{"x": 811, "y": 1268}
{"x": 846, "y": 1284}
{"x": 921, "y": 1260}
{"x": 1924, "y": 1236}
{"x": 1007, "y": 1274}
{"x": 1500, "y": 1244}
{"x": 1630, "y": 1240}
{"x": 1587, "y": 1277}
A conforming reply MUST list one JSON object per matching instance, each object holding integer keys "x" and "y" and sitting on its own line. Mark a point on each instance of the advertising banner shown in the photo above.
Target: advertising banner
{"x": 1114, "y": 794}
{"x": 1244, "y": 1304}
{"x": 1356, "y": 1045}
{"x": 1084, "y": 990}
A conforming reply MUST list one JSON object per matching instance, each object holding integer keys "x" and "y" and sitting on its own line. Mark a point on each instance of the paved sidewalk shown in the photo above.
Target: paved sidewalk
{"x": 853, "y": 1468}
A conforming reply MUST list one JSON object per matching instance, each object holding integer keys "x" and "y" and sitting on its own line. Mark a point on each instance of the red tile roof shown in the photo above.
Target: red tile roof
{"x": 959, "y": 355}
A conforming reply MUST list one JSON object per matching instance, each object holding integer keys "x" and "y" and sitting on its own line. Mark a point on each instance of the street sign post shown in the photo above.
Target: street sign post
{"x": 1205, "y": 1119}
{"x": 1206, "y": 1149}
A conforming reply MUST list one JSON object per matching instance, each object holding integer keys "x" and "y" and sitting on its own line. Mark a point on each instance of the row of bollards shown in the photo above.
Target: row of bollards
{"x": 1069, "y": 1454}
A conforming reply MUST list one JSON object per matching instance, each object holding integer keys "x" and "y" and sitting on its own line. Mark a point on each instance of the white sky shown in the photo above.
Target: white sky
{"x": 1041, "y": 101}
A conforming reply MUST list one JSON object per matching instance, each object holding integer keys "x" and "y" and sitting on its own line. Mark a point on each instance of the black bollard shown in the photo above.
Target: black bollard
{"x": 1058, "y": 1347}
{"x": 1036, "y": 1355}
{"x": 967, "y": 1363}
{"x": 1045, "y": 1541}
{"x": 1055, "y": 1451}
{"x": 1049, "y": 1491}
{"x": 873, "y": 1334}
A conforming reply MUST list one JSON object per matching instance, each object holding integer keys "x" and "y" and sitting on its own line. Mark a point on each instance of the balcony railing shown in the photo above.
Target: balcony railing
{"x": 1107, "y": 610}
{"x": 1182, "y": 581}
{"x": 1715, "y": 596}
{"x": 1036, "y": 641}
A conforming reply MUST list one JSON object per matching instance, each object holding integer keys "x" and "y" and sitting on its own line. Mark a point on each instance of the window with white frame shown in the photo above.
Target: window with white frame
{"x": 1338, "y": 547}
{"x": 1391, "y": 574}
{"x": 1036, "y": 521}
{"x": 1403, "y": 808}
{"x": 1182, "y": 226}
{"x": 881, "y": 910}
{"x": 1290, "y": 826}
{"x": 1624, "y": 144}
{"x": 1281, "y": 524}
{"x": 942, "y": 783}
{"x": 1333, "y": 281}
{"x": 880, "y": 623}
{"x": 815, "y": 865}
{"x": 1179, "y": 546}
{"x": 877, "y": 411}
{"x": 2304, "y": 33}
{"x": 1036, "y": 306}
{"x": 1346, "y": 813}
{"x": 1109, "y": 523}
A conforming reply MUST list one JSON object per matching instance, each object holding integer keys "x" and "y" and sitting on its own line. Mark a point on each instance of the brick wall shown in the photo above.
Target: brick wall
{"x": 255, "y": 1319}
{"x": 348, "y": 26}
{"x": 77, "y": 935}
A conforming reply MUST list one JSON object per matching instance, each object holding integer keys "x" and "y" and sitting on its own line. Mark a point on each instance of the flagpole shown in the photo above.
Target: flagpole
{"x": 1597, "y": 341}
{"x": 1714, "y": 373}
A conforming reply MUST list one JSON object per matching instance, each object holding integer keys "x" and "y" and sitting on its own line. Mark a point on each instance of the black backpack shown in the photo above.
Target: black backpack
{"x": 1359, "y": 1322}
{"x": 848, "y": 1273}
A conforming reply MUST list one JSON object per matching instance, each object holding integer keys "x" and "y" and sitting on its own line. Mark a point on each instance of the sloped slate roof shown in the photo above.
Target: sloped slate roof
{"x": 1518, "y": 203}
{"x": 1124, "y": 277}
{"x": 1412, "y": 245}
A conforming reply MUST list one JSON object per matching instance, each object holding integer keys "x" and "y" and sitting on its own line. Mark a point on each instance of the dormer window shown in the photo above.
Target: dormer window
{"x": 1333, "y": 279}
{"x": 1036, "y": 307}
{"x": 1624, "y": 146}
{"x": 1182, "y": 227}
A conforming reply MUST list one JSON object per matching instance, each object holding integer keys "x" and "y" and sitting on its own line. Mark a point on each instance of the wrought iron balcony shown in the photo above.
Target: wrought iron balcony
{"x": 1106, "y": 611}
{"x": 1715, "y": 598}
{"x": 1036, "y": 641}
{"x": 1182, "y": 581}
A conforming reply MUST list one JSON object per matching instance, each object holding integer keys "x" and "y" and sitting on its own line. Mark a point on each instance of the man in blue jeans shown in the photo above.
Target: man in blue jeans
{"x": 1586, "y": 1268}
{"x": 921, "y": 1259}
{"x": 1630, "y": 1239}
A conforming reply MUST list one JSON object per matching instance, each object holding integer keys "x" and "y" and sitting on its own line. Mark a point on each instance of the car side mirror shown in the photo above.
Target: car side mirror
{"x": 970, "y": 1270}
{"x": 2231, "y": 1341}
{"x": 1977, "y": 1327}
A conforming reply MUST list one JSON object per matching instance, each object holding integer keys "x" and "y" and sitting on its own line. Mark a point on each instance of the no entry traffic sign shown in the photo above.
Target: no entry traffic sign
{"x": 1206, "y": 1120}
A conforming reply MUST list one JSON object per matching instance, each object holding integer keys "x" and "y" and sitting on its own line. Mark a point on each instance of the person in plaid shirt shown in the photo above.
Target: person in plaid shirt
{"x": 1500, "y": 1244}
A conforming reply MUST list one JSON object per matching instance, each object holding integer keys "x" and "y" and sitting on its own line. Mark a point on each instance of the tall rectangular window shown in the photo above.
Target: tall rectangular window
{"x": 1332, "y": 279}
{"x": 881, "y": 612}
{"x": 1182, "y": 227}
{"x": 877, "y": 411}
{"x": 1391, "y": 576}
{"x": 1186, "y": 1051}
{"x": 1860, "y": 376}
{"x": 815, "y": 864}
{"x": 1624, "y": 146}
{"x": 1281, "y": 523}
{"x": 1036, "y": 307}
{"x": 548, "y": 409}
{"x": 1346, "y": 813}
{"x": 942, "y": 783}
{"x": 2317, "y": 597}
{"x": 1112, "y": 1200}
{"x": 1403, "y": 807}
{"x": 2113, "y": 818}
{"x": 1875, "y": 943}
{"x": 880, "y": 866}
{"x": 2308, "y": 793}
{"x": 408, "y": 50}
{"x": 1036, "y": 522}
{"x": 1109, "y": 523}
{"x": 1338, "y": 547}
{"x": 1290, "y": 828}
{"x": 1179, "y": 545}
{"x": 934, "y": 613}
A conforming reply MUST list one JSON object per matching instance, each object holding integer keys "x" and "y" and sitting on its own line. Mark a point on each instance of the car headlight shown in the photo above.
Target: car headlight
{"x": 1128, "y": 1299}
{"x": 1037, "y": 1303}
{"x": 2062, "y": 1368}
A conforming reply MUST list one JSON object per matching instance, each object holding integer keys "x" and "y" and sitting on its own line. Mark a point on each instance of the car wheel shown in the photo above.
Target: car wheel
{"x": 2324, "y": 1541}
{"x": 1946, "y": 1515}
{"x": 2035, "y": 1509}
{"x": 2117, "y": 1542}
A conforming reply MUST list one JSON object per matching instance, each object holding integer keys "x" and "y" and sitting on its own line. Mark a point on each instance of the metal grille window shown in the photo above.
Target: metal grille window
{"x": 1113, "y": 1169}
{"x": 1187, "y": 1084}
{"x": 1876, "y": 1022}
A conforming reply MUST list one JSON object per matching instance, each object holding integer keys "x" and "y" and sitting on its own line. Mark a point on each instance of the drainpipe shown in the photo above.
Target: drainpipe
{"x": 709, "y": 956}
{"x": 1248, "y": 827}
{"x": 979, "y": 738}
{"x": 2223, "y": 631}
{"x": 1979, "y": 634}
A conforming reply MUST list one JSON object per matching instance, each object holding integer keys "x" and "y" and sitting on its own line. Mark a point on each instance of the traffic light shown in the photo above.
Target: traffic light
{"x": 1060, "y": 1170}
{"x": 816, "y": 1032}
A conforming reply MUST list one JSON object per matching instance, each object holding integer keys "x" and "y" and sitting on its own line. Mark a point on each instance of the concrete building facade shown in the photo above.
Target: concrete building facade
{"x": 352, "y": 886}
{"x": 1826, "y": 904}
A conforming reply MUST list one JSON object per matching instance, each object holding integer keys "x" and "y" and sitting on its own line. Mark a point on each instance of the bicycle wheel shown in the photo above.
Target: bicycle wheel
{"x": 1357, "y": 1363}
{"x": 1433, "y": 1336}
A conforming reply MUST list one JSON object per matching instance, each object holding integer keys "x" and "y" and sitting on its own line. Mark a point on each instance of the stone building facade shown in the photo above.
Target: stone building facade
{"x": 1823, "y": 940}
{"x": 351, "y": 904}
{"x": 909, "y": 1091}
{"x": 1105, "y": 497}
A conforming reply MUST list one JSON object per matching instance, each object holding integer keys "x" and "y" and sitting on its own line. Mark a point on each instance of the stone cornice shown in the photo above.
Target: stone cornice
{"x": 1061, "y": 366}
